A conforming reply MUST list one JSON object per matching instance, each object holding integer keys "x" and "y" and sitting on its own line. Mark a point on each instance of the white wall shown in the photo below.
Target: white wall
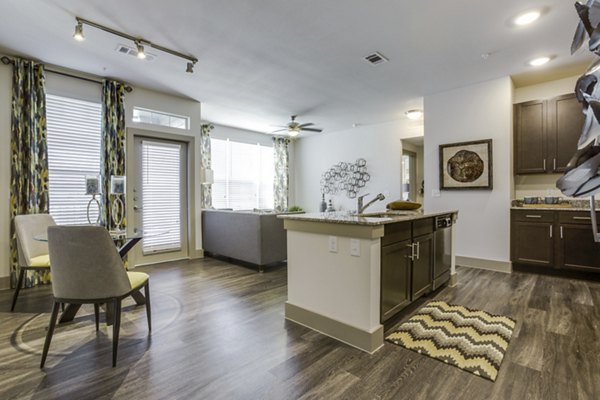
{"x": 5, "y": 109}
{"x": 378, "y": 144}
{"x": 481, "y": 111}
{"x": 546, "y": 90}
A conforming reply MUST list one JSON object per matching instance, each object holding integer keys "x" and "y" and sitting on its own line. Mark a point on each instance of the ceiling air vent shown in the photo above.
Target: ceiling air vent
{"x": 376, "y": 58}
{"x": 133, "y": 52}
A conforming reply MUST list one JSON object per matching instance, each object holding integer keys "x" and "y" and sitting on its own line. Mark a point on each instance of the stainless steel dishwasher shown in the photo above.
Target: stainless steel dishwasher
{"x": 443, "y": 249}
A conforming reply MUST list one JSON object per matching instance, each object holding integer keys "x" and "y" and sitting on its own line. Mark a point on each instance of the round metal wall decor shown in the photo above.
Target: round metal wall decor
{"x": 345, "y": 177}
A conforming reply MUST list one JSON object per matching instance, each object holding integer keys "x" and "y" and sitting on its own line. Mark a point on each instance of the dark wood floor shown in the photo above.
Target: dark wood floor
{"x": 219, "y": 333}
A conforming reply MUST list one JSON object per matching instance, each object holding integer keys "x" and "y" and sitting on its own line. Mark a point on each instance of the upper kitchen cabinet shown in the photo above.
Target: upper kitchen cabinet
{"x": 546, "y": 134}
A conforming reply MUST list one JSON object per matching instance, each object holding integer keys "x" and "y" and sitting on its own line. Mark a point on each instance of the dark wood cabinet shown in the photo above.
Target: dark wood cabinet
{"x": 561, "y": 240}
{"x": 422, "y": 266}
{"x": 395, "y": 278}
{"x": 546, "y": 134}
{"x": 407, "y": 257}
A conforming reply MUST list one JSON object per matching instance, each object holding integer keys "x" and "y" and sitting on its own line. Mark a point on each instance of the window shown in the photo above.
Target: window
{"x": 146, "y": 116}
{"x": 161, "y": 194}
{"x": 243, "y": 175}
{"x": 74, "y": 141}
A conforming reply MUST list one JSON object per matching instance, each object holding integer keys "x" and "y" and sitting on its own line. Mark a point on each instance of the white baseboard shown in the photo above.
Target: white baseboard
{"x": 482, "y": 263}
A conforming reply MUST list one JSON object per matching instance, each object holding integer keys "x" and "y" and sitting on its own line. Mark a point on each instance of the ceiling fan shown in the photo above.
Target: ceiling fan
{"x": 294, "y": 128}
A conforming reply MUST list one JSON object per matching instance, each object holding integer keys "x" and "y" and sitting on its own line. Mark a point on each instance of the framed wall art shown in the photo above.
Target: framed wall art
{"x": 466, "y": 165}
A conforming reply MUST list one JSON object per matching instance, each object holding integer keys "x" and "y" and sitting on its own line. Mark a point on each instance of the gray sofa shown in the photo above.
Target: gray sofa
{"x": 250, "y": 236}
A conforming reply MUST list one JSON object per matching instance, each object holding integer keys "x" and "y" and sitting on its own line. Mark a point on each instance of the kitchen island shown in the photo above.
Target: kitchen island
{"x": 348, "y": 274}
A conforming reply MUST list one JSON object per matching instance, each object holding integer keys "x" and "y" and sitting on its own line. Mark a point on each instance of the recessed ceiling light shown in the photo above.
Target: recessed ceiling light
{"x": 527, "y": 18}
{"x": 414, "y": 114}
{"x": 537, "y": 62}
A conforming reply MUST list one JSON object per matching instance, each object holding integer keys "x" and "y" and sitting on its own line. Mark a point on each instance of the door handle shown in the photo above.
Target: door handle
{"x": 136, "y": 208}
{"x": 554, "y": 164}
{"x": 550, "y": 230}
{"x": 582, "y": 218}
{"x": 418, "y": 250}
{"x": 544, "y": 164}
{"x": 561, "y": 232}
{"x": 533, "y": 216}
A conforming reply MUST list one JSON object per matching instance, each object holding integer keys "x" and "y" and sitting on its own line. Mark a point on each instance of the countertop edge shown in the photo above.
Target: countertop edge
{"x": 364, "y": 221}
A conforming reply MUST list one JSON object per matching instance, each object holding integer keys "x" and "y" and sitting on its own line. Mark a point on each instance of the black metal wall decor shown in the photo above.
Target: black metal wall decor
{"x": 582, "y": 176}
{"x": 345, "y": 177}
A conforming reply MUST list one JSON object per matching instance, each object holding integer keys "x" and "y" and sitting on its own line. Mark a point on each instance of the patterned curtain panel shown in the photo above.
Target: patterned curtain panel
{"x": 205, "y": 163}
{"x": 29, "y": 153}
{"x": 281, "y": 155}
{"x": 113, "y": 148}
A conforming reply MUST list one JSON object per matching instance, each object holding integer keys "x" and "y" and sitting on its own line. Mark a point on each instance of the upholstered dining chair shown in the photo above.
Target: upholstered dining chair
{"x": 87, "y": 269}
{"x": 33, "y": 254}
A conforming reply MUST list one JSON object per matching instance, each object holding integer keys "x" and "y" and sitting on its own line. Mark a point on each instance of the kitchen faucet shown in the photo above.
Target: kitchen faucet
{"x": 361, "y": 208}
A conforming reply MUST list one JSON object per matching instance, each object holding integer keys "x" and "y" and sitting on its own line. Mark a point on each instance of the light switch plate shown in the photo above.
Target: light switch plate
{"x": 436, "y": 193}
{"x": 333, "y": 245}
{"x": 355, "y": 247}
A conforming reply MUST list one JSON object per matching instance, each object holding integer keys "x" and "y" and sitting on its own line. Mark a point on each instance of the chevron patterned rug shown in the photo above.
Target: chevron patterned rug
{"x": 472, "y": 340}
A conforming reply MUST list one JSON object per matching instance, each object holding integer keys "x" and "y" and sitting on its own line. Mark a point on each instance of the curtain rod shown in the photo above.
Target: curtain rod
{"x": 7, "y": 60}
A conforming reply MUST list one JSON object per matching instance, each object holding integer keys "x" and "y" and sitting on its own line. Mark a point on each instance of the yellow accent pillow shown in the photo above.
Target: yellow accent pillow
{"x": 137, "y": 279}
{"x": 40, "y": 261}
{"x": 403, "y": 205}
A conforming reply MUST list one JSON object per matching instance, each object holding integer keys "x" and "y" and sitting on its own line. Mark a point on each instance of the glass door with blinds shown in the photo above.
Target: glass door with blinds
{"x": 160, "y": 200}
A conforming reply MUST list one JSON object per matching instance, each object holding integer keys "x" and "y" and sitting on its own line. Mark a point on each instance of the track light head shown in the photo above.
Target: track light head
{"x": 190, "y": 67}
{"x": 78, "y": 35}
{"x": 141, "y": 54}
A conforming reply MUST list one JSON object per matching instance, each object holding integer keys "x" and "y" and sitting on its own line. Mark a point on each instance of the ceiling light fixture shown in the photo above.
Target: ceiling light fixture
{"x": 190, "y": 67}
{"x": 538, "y": 62}
{"x": 527, "y": 18}
{"x": 141, "y": 54}
{"x": 139, "y": 42}
{"x": 78, "y": 35}
{"x": 414, "y": 114}
{"x": 293, "y": 132}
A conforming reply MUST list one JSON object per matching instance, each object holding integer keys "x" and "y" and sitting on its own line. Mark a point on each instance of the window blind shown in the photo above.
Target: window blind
{"x": 161, "y": 188}
{"x": 74, "y": 145}
{"x": 243, "y": 175}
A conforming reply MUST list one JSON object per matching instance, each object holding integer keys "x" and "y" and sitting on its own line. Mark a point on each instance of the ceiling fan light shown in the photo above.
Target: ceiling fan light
{"x": 78, "y": 35}
{"x": 414, "y": 114}
{"x": 293, "y": 133}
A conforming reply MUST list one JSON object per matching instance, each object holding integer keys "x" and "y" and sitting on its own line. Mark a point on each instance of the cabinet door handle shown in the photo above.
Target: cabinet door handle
{"x": 583, "y": 218}
{"x": 533, "y": 216}
{"x": 550, "y": 230}
{"x": 412, "y": 251}
{"x": 561, "y": 232}
{"x": 554, "y": 164}
{"x": 418, "y": 250}
{"x": 544, "y": 164}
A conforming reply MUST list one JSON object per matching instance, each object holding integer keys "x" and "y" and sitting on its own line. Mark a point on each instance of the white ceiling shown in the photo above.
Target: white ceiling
{"x": 261, "y": 61}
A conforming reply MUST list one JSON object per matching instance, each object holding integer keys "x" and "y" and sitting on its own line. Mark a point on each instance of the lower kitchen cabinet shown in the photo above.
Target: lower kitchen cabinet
{"x": 560, "y": 240}
{"x": 395, "y": 278}
{"x": 422, "y": 266}
{"x": 406, "y": 265}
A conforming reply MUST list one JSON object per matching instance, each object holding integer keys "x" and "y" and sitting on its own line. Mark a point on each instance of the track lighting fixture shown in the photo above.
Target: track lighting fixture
{"x": 141, "y": 54}
{"x": 139, "y": 42}
{"x": 78, "y": 35}
{"x": 190, "y": 67}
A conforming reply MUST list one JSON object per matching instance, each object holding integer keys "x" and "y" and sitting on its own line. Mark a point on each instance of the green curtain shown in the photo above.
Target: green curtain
{"x": 29, "y": 153}
{"x": 281, "y": 157}
{"x": 205, "y": 163}
{"x": 113, "y": 147}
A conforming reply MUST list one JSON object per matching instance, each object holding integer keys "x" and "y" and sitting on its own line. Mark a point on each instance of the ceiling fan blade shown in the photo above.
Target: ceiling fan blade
{"x": 278, "y": 126}
{"x": 309, "y": 124}
{"x": 311, "y": 129}
{"x": 280, "y": 130}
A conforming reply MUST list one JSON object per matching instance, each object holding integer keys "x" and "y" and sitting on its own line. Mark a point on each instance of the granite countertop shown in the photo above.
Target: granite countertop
{"x": 368, "y": 219}
{"x": 564, "y": 205}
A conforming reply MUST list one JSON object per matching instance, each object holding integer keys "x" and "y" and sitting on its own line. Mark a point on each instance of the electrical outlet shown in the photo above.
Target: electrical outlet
{"x": 355, "y": 247}
{"x": 333, "y": 245}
